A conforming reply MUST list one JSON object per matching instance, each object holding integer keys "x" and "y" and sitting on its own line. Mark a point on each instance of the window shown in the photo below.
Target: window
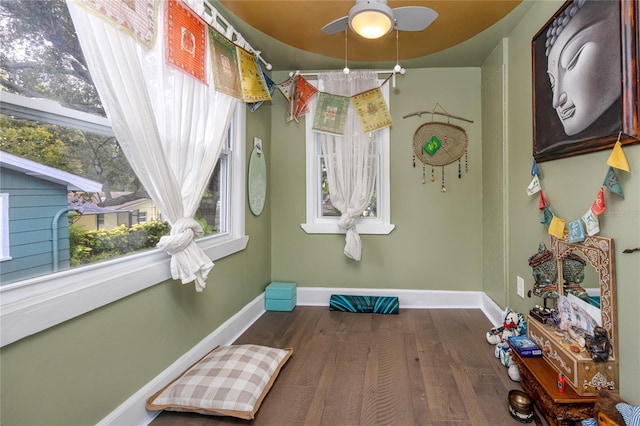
{"x": 50, "y": 298}
{"x": 4, "y": 227}
{"x": 322, "y": 217}
{"x": 56, "y": 297}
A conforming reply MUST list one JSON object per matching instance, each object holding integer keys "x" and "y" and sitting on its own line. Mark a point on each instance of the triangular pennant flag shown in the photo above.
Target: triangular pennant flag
{"x": 546, "y": 217}
{"x": 599, "y": 206}
{"x": 305, "y": 91}
{"x": 556, "y": 227}
{"x": 534, "y": 186}
{"x": 543, "y": 201}
{"x": 576, "y": 231}
{"x": 293, "y": 101}
{"x": 591, "y": 222}
{"x": 331, "y": 113}
{"x": 270, "y": 88}
{"x": 534, "y": 169}
{"x": 611, "y": 182}
{"x": 287, "y": 88}
{"x": 617, "y": 158}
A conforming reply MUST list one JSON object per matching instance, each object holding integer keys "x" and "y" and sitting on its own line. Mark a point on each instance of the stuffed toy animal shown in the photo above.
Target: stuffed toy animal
{"x": 513, "y": 324}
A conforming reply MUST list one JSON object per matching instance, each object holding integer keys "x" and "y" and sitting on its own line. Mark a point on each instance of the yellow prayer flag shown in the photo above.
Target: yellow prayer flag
{"x": 556, "y": 227}
{"x": 617, "y": 158}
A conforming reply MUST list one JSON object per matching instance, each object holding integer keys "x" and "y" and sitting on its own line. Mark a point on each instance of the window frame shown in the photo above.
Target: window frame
{"x": 35, "y": 304}
{"x": 318, "y": 224}
{"x": 5, "y": 243}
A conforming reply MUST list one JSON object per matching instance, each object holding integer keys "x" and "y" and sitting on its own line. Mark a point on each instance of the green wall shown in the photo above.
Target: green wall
{"x": 571, "y": 186}
{"x": 494, "y": 202}
{"x": 78, "y": 372}
{"x": 437, "y": 240}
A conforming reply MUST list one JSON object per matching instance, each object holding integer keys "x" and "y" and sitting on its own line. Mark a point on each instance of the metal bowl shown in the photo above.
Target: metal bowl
{"x": 520, "y": 406}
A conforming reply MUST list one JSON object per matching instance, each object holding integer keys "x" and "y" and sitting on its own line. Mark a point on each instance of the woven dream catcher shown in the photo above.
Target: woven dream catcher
{"x": 437, "y": 144}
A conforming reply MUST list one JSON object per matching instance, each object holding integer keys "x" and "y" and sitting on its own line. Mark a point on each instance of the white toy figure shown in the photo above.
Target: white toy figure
{"x": 514, "y": 324}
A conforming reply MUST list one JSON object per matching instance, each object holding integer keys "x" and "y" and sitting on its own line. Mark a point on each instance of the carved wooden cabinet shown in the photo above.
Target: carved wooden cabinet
{"x": 586, "y": 376}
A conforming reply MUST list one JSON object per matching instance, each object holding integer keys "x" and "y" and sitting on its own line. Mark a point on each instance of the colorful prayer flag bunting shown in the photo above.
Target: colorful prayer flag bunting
{"x": 254, "y": 88}
{"x": 534, "y": 186}
{"x": 591, "y": 222}
{"x": 534, "y": 169}
{"x": 576, "y": 231}
{"x": 287, "y": 88}
{"x": 372, "y": 110}
{"x": 556, "y": 227}
{"x": 186, "y": 39}
{"x": 599, "y": 205}
{"x": 304, "y": 93}
{"x": 224, "y": 61}
{"x": 611, "y": 182}
{"x": 270, "y": 88}
{"x": 542, "y": 203}
{"x": 139, "y": 21}
{"x": 546, "y": 217}
{"x": 617, "y": 158}
{"x": 331, "y": 113}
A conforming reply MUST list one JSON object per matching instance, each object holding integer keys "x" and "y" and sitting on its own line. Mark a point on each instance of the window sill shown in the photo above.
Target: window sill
{"x": 33, "y": 305}
{"x": 331, "y": 227}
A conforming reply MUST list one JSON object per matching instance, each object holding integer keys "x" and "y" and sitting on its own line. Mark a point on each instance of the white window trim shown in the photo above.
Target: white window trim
{"x": 30, "y": 306}
{"x": 5, "y": 253}
{"x": 315, "y": 224}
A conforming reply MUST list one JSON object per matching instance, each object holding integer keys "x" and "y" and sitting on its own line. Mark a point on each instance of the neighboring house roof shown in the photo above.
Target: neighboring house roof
{"x": 90, "y": 208}
{"x": 32, "y": 168}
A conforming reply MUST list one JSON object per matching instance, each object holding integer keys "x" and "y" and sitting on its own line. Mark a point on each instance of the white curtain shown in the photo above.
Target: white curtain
{"x": 170, "y": 126}
{"x": 351, "y": 160}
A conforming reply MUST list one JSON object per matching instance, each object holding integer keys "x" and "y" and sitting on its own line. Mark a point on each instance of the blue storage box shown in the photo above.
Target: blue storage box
{"x": 280, "y": 296}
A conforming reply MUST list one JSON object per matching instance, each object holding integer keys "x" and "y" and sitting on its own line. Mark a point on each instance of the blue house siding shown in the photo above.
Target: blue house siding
{"x": 33, "y": 203}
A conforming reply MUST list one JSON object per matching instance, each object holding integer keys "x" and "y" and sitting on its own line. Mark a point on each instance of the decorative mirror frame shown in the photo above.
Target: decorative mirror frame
{"x": 599, "y": 251}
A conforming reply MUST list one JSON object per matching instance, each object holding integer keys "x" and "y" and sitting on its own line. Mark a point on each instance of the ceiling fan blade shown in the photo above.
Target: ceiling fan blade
{"x": 413, "y": 18}
{"x": 336, "y": 26}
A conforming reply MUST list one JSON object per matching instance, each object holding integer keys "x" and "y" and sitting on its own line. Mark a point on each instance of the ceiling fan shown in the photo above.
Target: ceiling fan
{"x": 374, "y": 18}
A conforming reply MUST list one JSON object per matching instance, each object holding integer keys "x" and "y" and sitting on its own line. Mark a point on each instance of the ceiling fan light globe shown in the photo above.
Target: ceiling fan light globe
{"x": 371, "y": 20}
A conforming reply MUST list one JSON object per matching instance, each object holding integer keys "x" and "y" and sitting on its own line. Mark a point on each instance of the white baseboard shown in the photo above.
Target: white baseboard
{"x": 133, "y": 411}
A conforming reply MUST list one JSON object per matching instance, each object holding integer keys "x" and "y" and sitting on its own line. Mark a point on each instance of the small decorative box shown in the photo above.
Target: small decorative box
{"x": 280, "y": 296}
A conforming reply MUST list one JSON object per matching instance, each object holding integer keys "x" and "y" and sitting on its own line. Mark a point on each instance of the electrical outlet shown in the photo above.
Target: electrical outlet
{"x": 520, "y": 281}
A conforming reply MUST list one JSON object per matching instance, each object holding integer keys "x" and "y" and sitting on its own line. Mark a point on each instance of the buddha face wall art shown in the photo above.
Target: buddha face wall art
{"x": 583, "y": 64}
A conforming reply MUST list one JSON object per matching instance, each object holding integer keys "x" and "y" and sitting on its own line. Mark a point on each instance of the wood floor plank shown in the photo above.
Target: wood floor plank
{"x": 420, "y": 367}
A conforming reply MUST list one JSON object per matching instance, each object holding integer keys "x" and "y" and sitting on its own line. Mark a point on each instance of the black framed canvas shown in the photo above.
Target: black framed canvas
{"x": 586, "y": 79}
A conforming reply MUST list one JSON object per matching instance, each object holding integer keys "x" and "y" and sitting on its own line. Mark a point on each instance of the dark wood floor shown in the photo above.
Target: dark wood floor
{"x": 421, "y": 367}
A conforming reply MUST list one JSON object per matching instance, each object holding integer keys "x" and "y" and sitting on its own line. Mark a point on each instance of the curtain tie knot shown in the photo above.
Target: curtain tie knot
{"x": 346, "y": 222}
{"x": 183, "y": 232}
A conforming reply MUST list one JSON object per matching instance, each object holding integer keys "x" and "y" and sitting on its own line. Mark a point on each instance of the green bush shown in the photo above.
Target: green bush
{"x": 91, "y": 246}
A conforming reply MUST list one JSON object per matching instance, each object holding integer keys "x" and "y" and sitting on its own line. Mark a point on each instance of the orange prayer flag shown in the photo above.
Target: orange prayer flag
{"x": 599, "y": 206}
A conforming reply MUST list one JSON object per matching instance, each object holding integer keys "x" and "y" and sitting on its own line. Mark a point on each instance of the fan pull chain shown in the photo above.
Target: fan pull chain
{"x": 414, "y": 160}
{"x": 466, "y": 161}
{"x": 444, "y": 189}
{"x": 459, "y": 168}
{"x": 433, "y": 177}
{"x": 424, "y": 174}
